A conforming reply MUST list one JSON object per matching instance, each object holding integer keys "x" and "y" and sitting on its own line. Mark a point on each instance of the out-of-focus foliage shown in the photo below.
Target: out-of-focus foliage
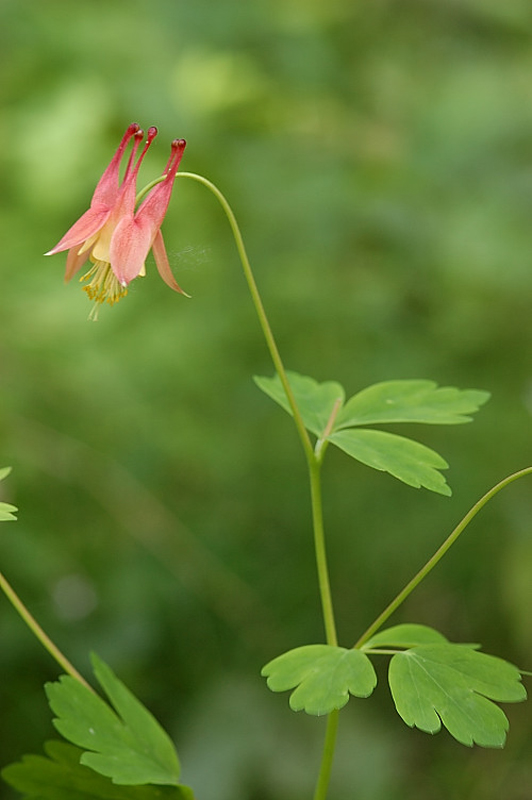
{"x": 378, "y": 155}
{"x": 61, "y": 776}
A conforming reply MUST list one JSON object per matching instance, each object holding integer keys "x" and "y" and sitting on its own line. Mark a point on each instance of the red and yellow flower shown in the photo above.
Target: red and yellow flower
{"x": 114, "y": 236}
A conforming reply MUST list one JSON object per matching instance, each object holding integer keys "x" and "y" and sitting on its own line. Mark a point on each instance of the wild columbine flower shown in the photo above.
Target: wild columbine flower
{"x": 114, "y": 236}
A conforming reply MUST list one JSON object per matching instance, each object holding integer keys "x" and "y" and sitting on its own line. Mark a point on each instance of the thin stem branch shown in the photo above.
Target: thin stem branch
{"x": 321, "y": 445}
{"x": 36, "y": 629}
{"x": 438, "y": 555}
{"x": 257, "y": 302}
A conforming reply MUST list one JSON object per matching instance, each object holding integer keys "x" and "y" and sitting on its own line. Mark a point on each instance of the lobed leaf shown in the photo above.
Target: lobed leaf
{"x": 60, "y": 776}
{"x": 406, "y": 635}
{"x": 405, "y": 459}
{"x": 386, "y": 402}
{"x": 315, "y": 400}
{"x": 323, "y": 677}
{"x": 129, "y": 746}
{"x": 454, "y": 685}
{"x": 410, "y": 401}
{"x": 7, "y": 512}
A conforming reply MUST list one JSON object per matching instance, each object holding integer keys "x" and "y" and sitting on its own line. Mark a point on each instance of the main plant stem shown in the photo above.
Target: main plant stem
{"x": 329, "y": 744}
{"x": 314, "y": 467}
{"x": 321, "y": 555}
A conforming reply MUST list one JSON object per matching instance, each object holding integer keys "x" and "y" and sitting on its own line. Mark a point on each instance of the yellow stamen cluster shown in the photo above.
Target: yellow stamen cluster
{"x": 103, "y": 286}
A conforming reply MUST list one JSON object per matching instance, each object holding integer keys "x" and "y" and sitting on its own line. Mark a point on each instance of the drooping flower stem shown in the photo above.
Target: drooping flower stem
{"x": 314, "y": 460}
{"x": 438, "y": 555}
{"x": 36, "y": 629}
{"x": 259, "y": 308}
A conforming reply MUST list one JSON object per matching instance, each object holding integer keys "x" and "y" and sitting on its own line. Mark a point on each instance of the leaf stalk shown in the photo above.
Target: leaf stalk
{"x": 438, "y": 555}
{"x": 36, "y": 629}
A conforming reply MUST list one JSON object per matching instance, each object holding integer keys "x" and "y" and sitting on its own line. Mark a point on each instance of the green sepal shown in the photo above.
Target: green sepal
{"x": 60, "y": 776}
{"x": 323, "y": 677}
{"x": 126, "y": 744}
{"x": 454, "y": 685}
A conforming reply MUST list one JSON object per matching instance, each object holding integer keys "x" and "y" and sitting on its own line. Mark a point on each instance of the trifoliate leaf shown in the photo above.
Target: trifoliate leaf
{"x": 60, "y": 776}
{"x": 390, "y": 401}
{"x": 7, "y": 512}
{"x": 410, "y": 401}
{"x": 128, "y": 746}
{"x": 324, "y": 675}
{"x": 454, "y": 685}
{"x": 315, "y": 400}
{"x": 407, "y": 635}
{"x": 411, "y": 462}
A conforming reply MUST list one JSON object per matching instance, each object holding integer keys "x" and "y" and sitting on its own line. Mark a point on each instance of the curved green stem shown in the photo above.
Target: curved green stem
{"x": 36, "y": 629}
{"x": 257, "y": 302}
{"x": 327, "y": 757}
{"x": 314, "y": 460}
{"x": 438, "y": 555}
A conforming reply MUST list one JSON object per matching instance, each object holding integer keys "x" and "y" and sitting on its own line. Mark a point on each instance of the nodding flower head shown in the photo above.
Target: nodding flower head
{"x": 113, "y": 235}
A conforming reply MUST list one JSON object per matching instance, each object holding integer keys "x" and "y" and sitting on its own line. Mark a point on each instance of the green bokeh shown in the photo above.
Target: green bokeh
{"x": 378, "y": 155}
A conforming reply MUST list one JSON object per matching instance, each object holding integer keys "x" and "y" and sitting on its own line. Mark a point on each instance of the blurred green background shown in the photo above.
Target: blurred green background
{"x": 379, "y": 157}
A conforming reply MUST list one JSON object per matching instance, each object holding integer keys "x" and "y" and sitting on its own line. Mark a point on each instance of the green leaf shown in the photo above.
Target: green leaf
{"x": 128, "y": 746}
{"x": 60, "y": 776}
{"x": 315, "y": 400}
{"x": 324, "y": 675}
{"x": 410, "y": 401}
{"x": 390, "y": 401}
{"x": 454, "y": 685}
{"x": 411, "y": 462}
{"x": 7, "y": 512}
{"x": 407, "y": 635}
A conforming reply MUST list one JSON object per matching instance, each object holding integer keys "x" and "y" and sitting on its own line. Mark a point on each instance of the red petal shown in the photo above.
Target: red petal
{"x": 161, "y": 259}
{"x": 74, "y": 262}
{"x": 154, "y": 207}
{"x": 129, "y": 247}
{"x": 124, "y": 204}
{"x": 107, "y": 187}
{"x": 87, "y": 225}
